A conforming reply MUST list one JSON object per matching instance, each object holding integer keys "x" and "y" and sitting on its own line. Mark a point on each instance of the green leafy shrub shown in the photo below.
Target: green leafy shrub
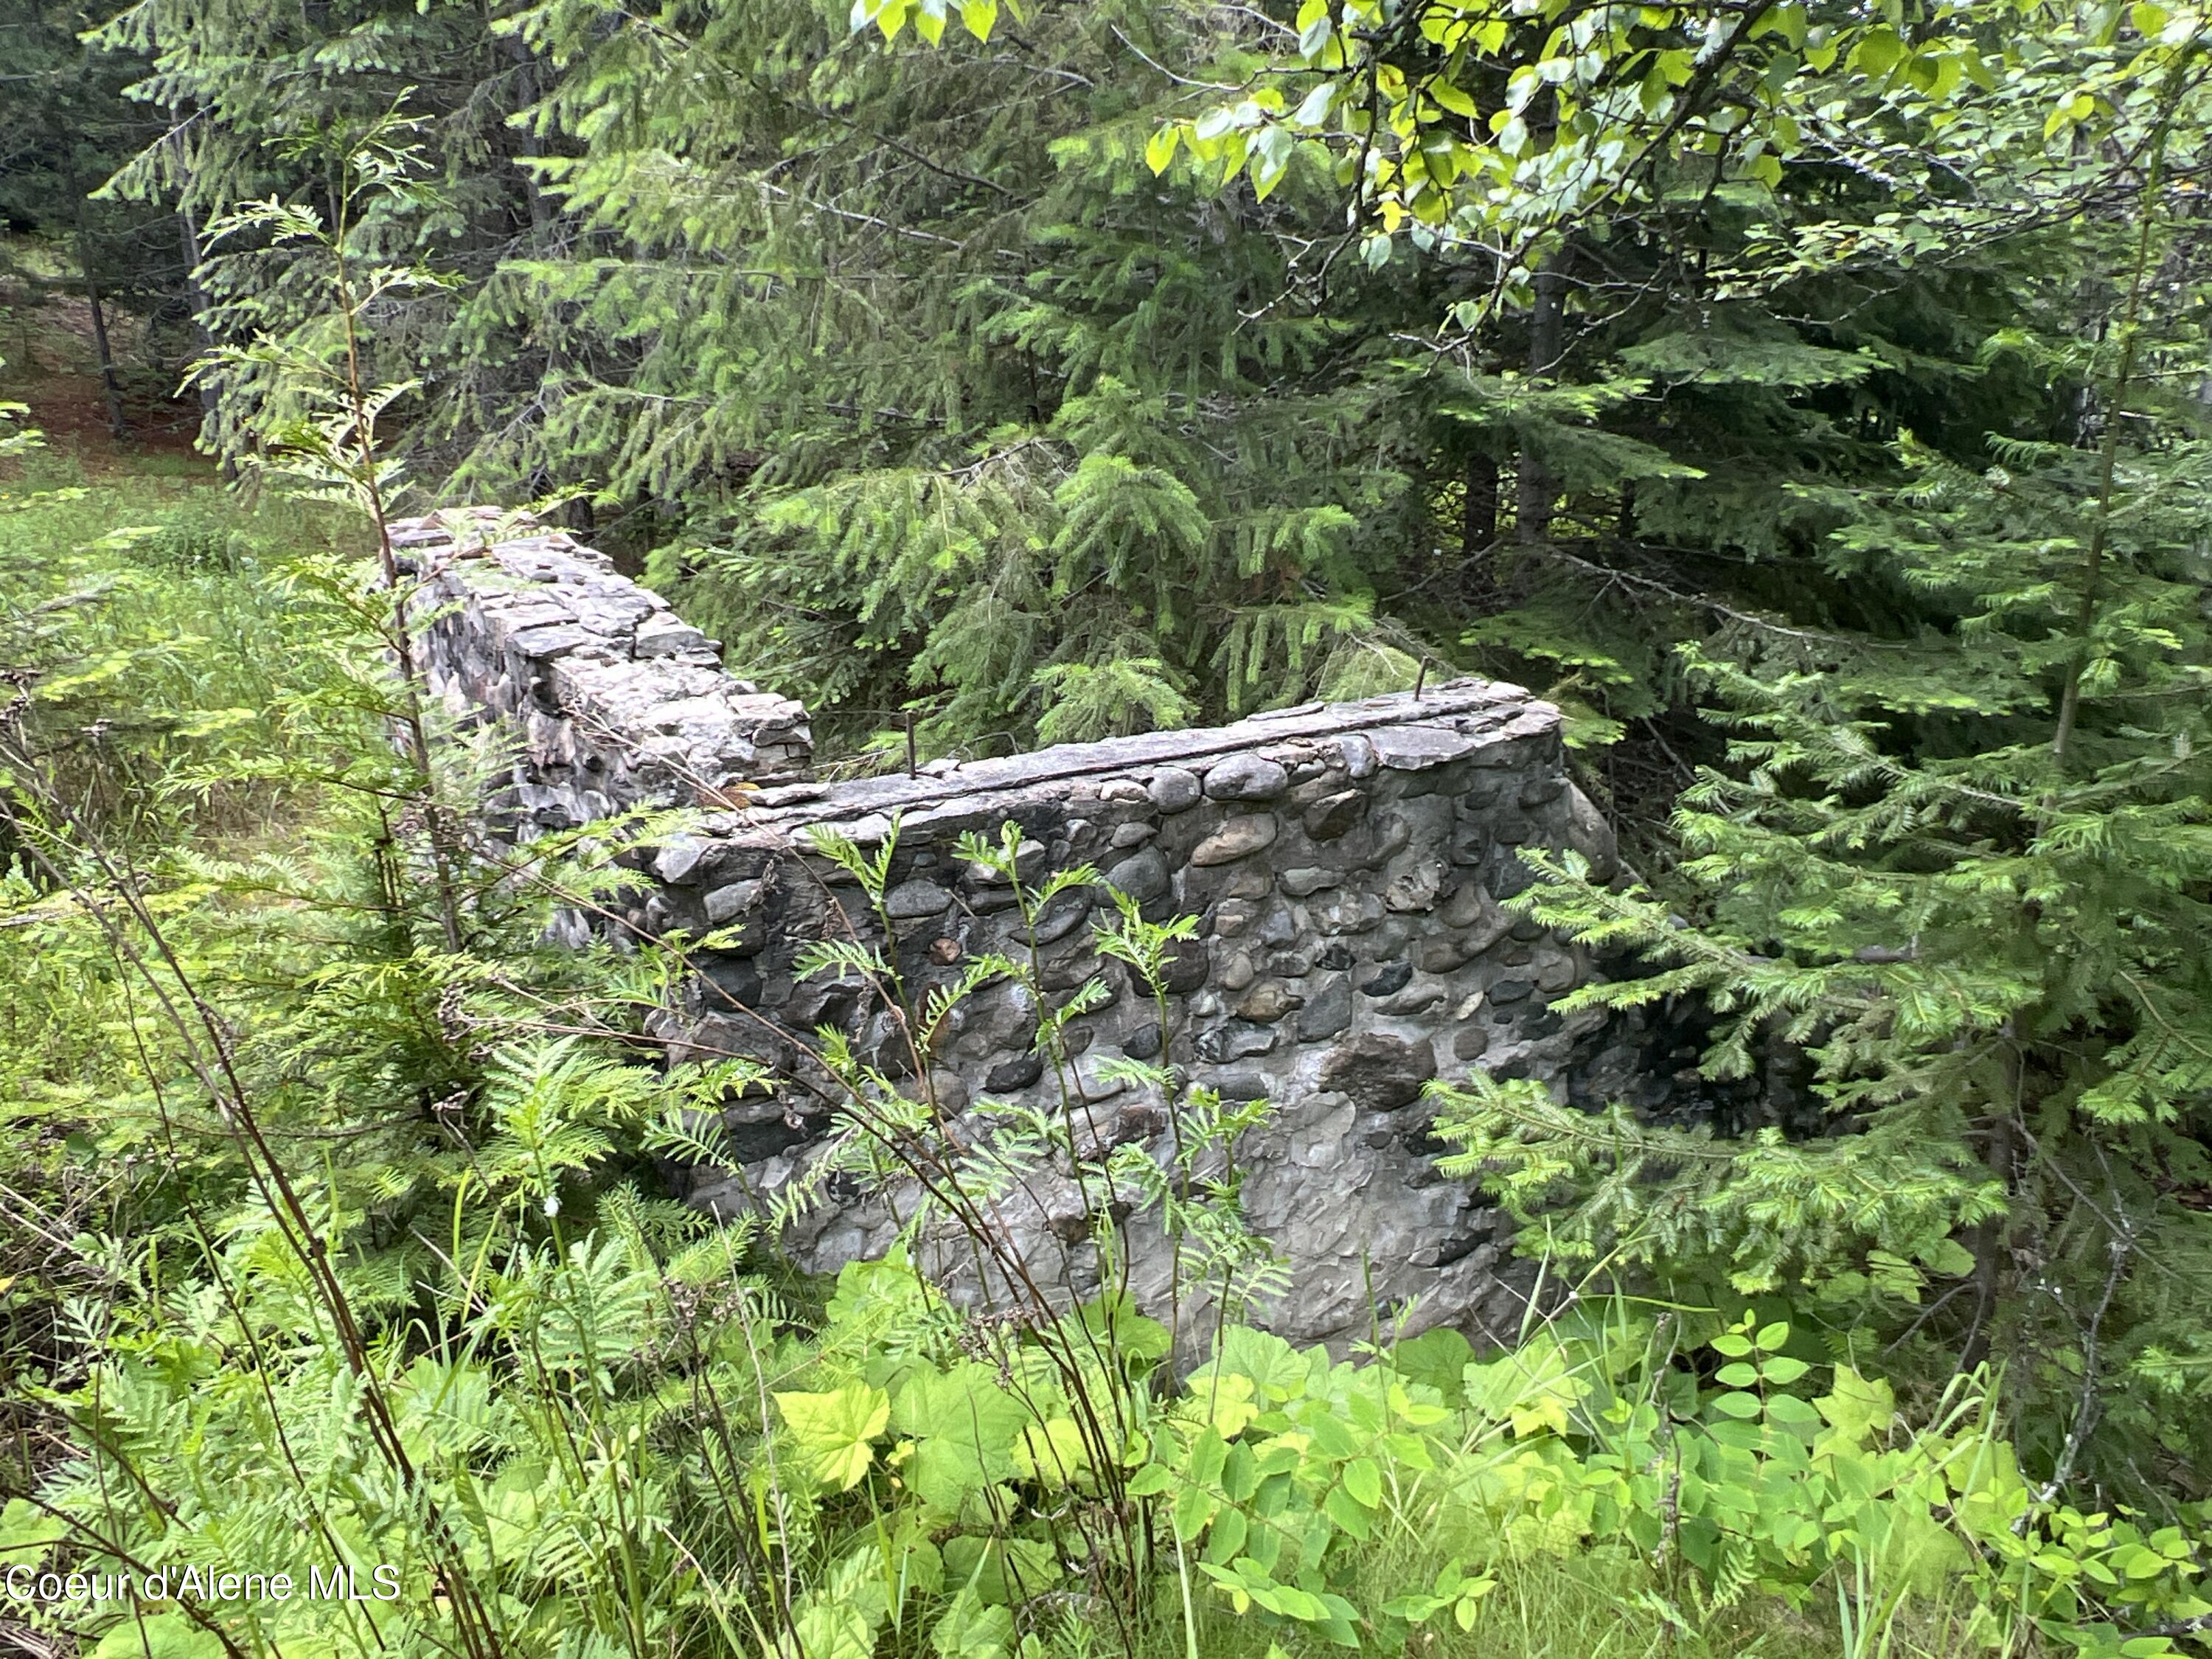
{"x": 637, "y": 1440}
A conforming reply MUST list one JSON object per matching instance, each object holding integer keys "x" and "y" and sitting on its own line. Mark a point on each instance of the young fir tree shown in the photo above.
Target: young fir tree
{"x": 1965, "y": 859}
{"x": 1679, "y": 326}
{"x": 930, "y": 393}
{"x": 255, "y": 102}
{"x": 935, "y": 399}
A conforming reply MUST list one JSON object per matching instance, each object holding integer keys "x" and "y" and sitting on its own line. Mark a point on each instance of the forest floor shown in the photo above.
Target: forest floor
{"x": 50, "y": 363}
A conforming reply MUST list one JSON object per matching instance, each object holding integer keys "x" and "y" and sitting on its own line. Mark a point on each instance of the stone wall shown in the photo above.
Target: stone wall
{"x": 613, "y": 700}
{"x": 1345, "y": 866}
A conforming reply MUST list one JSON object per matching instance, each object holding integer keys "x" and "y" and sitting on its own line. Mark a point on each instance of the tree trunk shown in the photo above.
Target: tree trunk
{"x": 532, "y": 147}
{"x": 1987, "y": 1243}
{"x": 1536, "y": 490}
{"x": 188, "y": 230}
{"x": 109, "y": 385}
{"x": 1478, "y": 526}
{"x": 116, "y": 424}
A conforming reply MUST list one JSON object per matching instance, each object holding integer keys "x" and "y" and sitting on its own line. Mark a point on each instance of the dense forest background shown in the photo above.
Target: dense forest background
{"x": 1810, "y": 398}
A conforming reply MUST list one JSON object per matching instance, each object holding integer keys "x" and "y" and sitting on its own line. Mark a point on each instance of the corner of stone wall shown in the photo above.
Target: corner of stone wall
{"x": 614, "y": 700}
{"x": 1347, "y": 866}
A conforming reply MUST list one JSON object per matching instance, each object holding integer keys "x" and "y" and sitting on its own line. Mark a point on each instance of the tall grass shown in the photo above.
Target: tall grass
{"x": 1600, "y": 1604}
{"x": 157, "y": 602}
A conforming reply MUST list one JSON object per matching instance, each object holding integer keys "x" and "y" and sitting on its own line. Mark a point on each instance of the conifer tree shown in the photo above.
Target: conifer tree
{"x": 1699, "y": 270}
{"x": 951, "y": 381}
{"x": 934, "y": 397}
{"x": 257, "y": 103}
{"x": 1962, "y": 853}
{"x": 64, "y": 127}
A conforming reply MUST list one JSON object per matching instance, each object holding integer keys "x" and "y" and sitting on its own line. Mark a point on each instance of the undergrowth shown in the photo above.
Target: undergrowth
{"x": 167, "y": 609}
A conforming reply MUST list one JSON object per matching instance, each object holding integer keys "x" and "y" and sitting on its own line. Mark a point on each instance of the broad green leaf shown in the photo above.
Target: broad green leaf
{"x": 1438, "y": 1357}
{"x": 162, "y": 1636}
{"x": 1277, "y": 1371}
{"x": 971, "y": 1630}
{"x": 835, "y": 1429}
{"x": 1313, "y": 109}
{"x": 1855, "y": 1407}
{"x": 1948, "y": 1259}
{"x": 25, "y": 1533}
{"x": 1879, "y": 53}
{"x": 1345, "y": 1510}
{"x": 1193, "y": 1510}
{"x": 1209, "y": 1454}
{"x": 980, "y": 16}
{"x": 1226, "y": 1537}
{"x": 1228, "y": 1405}
{"x": 1451, "y": 98}
{"x": 1051, "y": 1452}
{"x": 1002, "y": 1571}
{"x": 1150, "y": 1480}
{"x": 964, "y": 1428}
{"x": 1532, "y": 1389}
{"x": 1364, "y": 1480}
{"x": 1788, "y": 1409}
{"x": 1121, "y": 1330}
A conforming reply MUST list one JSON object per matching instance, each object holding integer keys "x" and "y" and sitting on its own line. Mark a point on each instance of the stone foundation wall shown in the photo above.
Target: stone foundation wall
{"x": 1345, "y": 866}
{"x": 613, "y": 700}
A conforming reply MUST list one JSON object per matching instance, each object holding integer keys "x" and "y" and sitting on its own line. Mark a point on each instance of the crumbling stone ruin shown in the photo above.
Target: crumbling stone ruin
{"x": 1345, "y": 863}
{"x": 614, "y": 698}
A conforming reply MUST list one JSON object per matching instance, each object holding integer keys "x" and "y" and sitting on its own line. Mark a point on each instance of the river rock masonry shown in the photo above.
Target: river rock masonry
{"x": 1347, "y": 866}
